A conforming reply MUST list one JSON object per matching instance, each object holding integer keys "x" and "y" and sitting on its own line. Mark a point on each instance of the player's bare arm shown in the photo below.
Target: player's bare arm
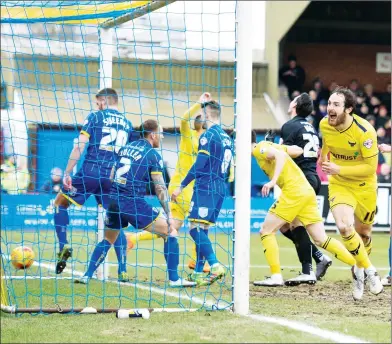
{"x": 176, "y": 193}
{"x": 384, "y": 148}
{"x": 192, "y": 111}
{"x": 294, "y": 151}
{"x": 323, "y": 154}
{"x": 280, "y": 159}
{"x": 161, "y": 192}
{"x": 74, "y": 157}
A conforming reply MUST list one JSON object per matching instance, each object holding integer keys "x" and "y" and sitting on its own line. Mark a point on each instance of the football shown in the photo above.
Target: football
{"x": 22, "y": 257}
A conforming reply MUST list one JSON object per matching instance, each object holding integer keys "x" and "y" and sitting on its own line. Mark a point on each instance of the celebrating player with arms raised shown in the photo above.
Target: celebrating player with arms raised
{"x": 351, "y": 165}
{"x": 187, "y": 155}
{"x": 209, "y": 171}
{"x": 106, "y": 131}
{"x": 138, "y": 163}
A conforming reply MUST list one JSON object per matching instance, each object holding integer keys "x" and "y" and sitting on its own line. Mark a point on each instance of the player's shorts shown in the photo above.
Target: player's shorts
{"x": 180, "y": 209}
{"x": 89, "y": 180}
{"x": 135, "y": 211}
{"x": 303, "y": 206}
{"x": 205, "y": 206}
{"x": 363, "y": 201}
{"x": 314, "y": 181}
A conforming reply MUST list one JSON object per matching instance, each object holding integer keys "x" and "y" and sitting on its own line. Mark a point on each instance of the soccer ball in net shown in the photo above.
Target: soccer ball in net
{"x": 22, "y": 257}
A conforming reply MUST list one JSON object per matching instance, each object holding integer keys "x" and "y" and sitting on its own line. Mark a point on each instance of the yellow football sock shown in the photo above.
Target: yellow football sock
{"x": 338, "y": 250}
{"x": 142, "y": 236}
{"x": 368, "y": 246}
{"x": 271, "y": 250}
{"x": 194, "y": 256}
{"x": 355, "y": 246}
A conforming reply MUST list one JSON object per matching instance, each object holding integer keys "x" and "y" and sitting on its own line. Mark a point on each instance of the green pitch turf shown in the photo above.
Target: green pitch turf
{"x": 327, "y": 305}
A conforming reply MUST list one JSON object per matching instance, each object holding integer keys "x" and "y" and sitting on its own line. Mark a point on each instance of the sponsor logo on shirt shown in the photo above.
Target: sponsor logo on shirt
{"x": 345, "y": 157}
{"x": 203, "y": 141}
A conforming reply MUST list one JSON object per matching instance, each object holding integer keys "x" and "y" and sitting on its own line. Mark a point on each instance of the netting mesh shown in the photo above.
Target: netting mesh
{"x": 50, "y": 71}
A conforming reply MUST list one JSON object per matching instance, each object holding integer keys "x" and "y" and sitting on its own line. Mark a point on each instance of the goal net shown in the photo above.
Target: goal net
{"x": 159, "y": 56}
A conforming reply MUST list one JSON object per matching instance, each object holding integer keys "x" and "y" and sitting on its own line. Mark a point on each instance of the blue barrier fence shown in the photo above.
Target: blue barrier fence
{"x": 54, "y": 146}
{"x": 35, "y": 212}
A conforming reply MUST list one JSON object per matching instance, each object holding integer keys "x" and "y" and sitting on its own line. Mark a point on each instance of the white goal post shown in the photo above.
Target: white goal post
{"x": 105, "y": 44}
{"x": 243, "y": 127}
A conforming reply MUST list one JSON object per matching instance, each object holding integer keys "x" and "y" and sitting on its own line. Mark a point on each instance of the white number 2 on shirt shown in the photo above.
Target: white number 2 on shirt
{"x": 312, "y": 146}
{"x": 119, "y": 179}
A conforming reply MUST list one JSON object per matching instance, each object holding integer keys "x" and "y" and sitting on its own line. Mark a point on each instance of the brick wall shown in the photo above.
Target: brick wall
{"x": 340, "y": 63}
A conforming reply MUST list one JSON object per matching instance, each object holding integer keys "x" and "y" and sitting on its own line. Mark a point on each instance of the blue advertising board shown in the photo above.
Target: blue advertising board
{"x": 35, "y": 212}
{"x": 53, "y": 149}
{"x": 55, "y": 145}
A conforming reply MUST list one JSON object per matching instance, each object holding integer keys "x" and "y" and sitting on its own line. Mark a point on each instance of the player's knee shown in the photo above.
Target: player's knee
{"x": 364, "y": 230}
{"x": 366, "y": 238}
{"x": 344, "y": 227}
{"x": 177, "y": 224}
{"x": 61, "y": 201}
{"x": 285, "y": 228}
{"x": 318, "y": 241}
{"x": 265, "y": 229}
{"x": 111, "y": 235}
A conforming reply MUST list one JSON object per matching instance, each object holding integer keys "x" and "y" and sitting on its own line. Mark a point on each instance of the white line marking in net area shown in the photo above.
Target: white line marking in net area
{"x": 133, "y": 285}
{"x": 295, "y": 325}
{"x": 149, "y": 265}
{"x": 15, "y": 277}
{"x": 301, "y": 327}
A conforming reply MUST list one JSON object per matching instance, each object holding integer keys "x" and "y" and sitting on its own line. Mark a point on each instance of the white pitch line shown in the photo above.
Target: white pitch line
{"x": 301, "y": 327}
{"x": 295, "y": 325}
{"x": 149, "y": 265}
{"x": 133, "y": 285}
{"x": 35, "y": 277}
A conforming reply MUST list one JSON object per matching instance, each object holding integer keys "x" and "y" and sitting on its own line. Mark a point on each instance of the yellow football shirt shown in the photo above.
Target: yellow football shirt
{"x": 189, "y": 143}
{"x": 350, "y": 148}
{"x": 291, "y": 178}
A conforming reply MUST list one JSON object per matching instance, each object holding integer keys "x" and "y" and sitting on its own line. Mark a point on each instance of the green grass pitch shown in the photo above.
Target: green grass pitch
{"x": 327, "y": 305}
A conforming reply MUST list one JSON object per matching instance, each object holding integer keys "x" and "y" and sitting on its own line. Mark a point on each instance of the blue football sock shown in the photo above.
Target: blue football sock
{"x": 98, "y": 256}
{"x": 172, "y": 256}
{"x": 203, "y": 245}
{"x": 120, "y": 246}
{"x": 201, "y": 260}
{"x": 390, "y": 256}
{"x": 61, "y": 220}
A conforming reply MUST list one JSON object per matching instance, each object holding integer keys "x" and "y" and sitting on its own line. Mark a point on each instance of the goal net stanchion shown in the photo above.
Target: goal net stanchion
{"x": 38, "y": 289}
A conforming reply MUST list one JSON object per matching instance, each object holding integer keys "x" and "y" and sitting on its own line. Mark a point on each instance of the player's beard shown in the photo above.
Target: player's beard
{"x": 335, "y": 119}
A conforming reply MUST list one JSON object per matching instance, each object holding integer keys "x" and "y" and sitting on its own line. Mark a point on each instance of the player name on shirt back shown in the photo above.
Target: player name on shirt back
{"x": 116, "y": 119}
